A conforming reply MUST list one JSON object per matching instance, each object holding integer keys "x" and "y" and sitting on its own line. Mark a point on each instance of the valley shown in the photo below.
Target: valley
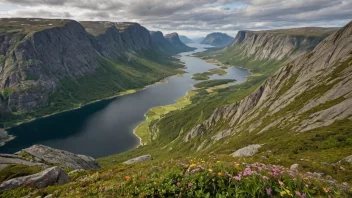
{"x": 112, "y": 109}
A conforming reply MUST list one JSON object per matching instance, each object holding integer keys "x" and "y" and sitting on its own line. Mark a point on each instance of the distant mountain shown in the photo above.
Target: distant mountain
{"x": 198, "y": 39}
{"x": 175, "y": 41}
{"x": 185, "y": 39}
{"x": 218, "y": 39}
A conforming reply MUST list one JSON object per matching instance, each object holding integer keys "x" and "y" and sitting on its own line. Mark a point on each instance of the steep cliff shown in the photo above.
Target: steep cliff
{"x": 39, "y": 56}
{"x": 166, "y": 44}
{"x": 175, "y": 41}
{"x": 310, "y": 92}
{"x": 218, "y": 39}
{"x": 279, "y": 44}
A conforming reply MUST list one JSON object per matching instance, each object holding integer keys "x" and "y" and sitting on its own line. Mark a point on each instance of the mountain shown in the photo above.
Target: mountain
{"x": 175, "y": 41}
{"x": 218, "y": 39}
{"x": 185, "y": 39}
{"x": 198, "y": 39}
{"x": 166, "y": 44}
{"x": 48, "y": 65}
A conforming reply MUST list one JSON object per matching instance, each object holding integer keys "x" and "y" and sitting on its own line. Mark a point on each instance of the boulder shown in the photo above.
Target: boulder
{"x": 247, "y": 151}
{"x": 142, "y": 158}
{"x": 294, "y": 167}
{"x": 347, "y": 159}
{"x": 49, "y": 155}
{"x": 48, "y": 177}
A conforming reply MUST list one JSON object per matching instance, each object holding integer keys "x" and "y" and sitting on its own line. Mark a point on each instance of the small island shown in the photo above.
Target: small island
{"x": 206, "y": 75}
{"x": 213, "y": 83}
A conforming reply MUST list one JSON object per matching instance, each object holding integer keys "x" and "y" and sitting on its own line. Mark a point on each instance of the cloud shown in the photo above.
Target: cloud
{"x": 192, "y": 17}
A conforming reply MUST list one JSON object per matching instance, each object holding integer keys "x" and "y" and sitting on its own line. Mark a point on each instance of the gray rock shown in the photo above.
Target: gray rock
{"x": 75, "y": 171}
{"x": 295, "y": 167}
{"x": 247, "y": 151}
{"x": 48, "y": 177}
{"x": 347, "y": 159}
{"x": 142, "y": 158}
{"x": 8, "y": 159}
{"x": 54, "y": 156}
{"x": 49, "y": 196}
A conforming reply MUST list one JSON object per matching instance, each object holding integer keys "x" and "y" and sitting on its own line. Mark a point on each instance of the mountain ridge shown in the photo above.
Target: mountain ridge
{"x": 217, "y": 39}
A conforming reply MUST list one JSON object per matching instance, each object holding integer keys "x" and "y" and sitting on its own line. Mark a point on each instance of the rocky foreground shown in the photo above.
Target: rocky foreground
{"x": 50, "y": 161}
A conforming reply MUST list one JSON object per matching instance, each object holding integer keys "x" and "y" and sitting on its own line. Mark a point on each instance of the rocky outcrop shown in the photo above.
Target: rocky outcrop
{"x": 218, "y": 39}
{"x": 247, "y": 151}
{"x": 8, "y": 159}
{"x": 347, "y": 159}
{"x": 175, "y": 41}
{"x": 48, "y": 177}
{"x": 322, "y": 77}
{"x": 49, "y": 155}
{"x": 142, "y": 158}
{"x": 44, "y": 156}
{"x": 279, "y": 44}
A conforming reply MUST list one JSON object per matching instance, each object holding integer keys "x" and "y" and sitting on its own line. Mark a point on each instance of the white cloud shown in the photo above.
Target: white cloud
{"x": 190, "y": 17}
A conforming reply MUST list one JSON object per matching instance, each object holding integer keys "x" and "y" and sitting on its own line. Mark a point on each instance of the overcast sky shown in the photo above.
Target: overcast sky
{"x": 191, "y": 17}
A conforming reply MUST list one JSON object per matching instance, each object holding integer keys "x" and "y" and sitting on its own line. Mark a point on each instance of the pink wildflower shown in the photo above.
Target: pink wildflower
{"x": 281, "y": 183}
{"x": 190, "y": 184}
{"x": 268, "y": 191}
{"x": 247, "y": 171}
{"x": 238, "y": 178}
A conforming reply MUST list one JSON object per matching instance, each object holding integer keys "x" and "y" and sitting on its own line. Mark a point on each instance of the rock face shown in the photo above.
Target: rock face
{"x": 175, "y": 41}
{"x": 36, "y": 55}
{"x": 322, "y": 77}
{"x": 279, "y": 44}
{"x": 218, "y": 39}
{"x": 49, "y": 155}
{"x": 247, "y": 151}
{"x": 8, "y": 159}
{"x": 142, "y": 158}
{"x": 48, "y": 177}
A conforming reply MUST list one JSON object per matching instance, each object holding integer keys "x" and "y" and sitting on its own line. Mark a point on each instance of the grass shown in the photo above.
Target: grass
{"x": 17, "y": 170}
{"x": 209, "y": 176}
{"x": 212, "y": 83}
{"x": 143, "y": 131}
{"x": 206, "y": 75}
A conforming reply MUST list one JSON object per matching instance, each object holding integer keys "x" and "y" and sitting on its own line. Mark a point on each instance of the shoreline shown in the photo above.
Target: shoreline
{"x": 215, "y": 62}
{"x": 123, "y": 93}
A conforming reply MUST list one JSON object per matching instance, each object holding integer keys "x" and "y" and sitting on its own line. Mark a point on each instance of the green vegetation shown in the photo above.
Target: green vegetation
{"x": 7, "y": 92}
{"x": 212, "y": 83}
{"x": 206, "y": 75}
{"x": 143, "y": 131}
{"x": 211, "y": 176}
{"x": 17, "y": 170}
{"x": 111, "y": 79}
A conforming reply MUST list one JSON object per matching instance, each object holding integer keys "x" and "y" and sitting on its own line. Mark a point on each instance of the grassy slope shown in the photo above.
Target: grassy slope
{"x": 112, "y": 78}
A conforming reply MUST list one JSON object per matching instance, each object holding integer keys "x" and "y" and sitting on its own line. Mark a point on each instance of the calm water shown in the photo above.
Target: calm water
{"x": 106, "y": 127}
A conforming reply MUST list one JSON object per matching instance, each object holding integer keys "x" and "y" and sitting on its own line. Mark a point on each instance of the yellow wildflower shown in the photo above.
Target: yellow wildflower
{"x": 192, "y": 165}
{"x": 282, "y": 193}
{"x": 210, "y": 170}
{"x": 237, "y": 164}
{"x": 219, "y": 173}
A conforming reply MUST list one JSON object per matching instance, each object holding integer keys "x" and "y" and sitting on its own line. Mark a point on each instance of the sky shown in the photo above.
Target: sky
{"x": 192, "y": 18}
